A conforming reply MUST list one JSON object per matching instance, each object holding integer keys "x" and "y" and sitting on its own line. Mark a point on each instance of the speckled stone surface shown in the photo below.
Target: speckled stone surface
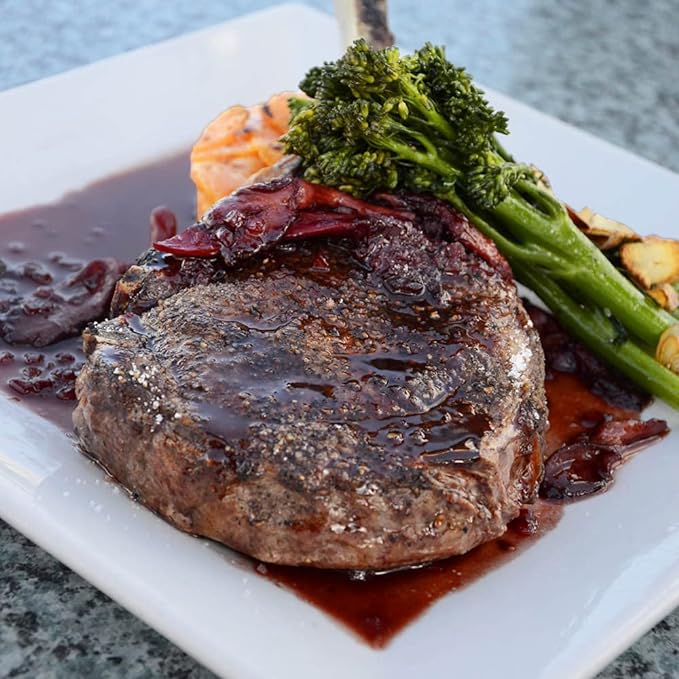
{"x": 609, "y": 67}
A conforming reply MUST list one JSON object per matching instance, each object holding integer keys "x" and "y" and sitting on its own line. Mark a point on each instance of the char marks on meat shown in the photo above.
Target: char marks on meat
{"x": 369, "y": 399}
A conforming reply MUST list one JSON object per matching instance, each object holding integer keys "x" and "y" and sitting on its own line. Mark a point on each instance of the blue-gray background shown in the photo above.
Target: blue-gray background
{"x": 611, "y": 67}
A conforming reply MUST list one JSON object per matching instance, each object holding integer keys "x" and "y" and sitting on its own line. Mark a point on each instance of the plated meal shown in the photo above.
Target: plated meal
{"x": 333, "y": 368}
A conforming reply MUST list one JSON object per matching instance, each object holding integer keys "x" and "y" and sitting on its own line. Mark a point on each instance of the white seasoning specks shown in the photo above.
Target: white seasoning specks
{"x": 520, "y": 362}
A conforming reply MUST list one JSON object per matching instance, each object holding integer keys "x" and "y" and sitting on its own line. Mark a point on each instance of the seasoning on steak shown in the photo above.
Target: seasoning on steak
{"x": 363, "y": 402}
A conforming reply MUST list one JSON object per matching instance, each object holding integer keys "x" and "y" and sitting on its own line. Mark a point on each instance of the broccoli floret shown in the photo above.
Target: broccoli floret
{"x": 378, "y": 120}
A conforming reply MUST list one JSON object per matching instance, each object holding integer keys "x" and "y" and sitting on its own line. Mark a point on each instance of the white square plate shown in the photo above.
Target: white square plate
{"x": 563, "y": 608}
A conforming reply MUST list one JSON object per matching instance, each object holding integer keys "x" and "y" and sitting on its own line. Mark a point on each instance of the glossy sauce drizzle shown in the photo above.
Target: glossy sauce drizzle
{"x": 378, "y": 606}
{"x": 45, "y": 245}
{"x": 593, "y": 414}
{"x": 111, "y": 219}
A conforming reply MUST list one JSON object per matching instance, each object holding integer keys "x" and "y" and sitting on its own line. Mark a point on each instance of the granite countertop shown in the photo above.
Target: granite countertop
{"x": 608, "y": 67}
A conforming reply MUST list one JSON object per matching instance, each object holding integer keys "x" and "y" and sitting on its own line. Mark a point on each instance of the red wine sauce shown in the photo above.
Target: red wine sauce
{"x": 46, "y": 244}
{"x": 377, "y": 606}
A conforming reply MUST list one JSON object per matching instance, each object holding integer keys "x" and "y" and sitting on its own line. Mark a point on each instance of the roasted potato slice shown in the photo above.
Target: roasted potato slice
{"x": 667, "y": 351}
{"x": 606, "y": 233}
{"x": 665, "y": 295}
{"x": 652, "y": 261}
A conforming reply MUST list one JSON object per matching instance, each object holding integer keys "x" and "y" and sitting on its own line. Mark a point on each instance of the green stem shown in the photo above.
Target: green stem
{"x": 527, "y": 252}
{"x": 502, "y": 151}
{"x": 432, "y": 161}
{"x": 445, "y": 167}
{"x": 585, "y": 268}
{"x": 600, "y": 336}
{"x": 414, "y": 97}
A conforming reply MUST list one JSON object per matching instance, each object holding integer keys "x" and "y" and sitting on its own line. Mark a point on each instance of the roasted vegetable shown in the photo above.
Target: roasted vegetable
{"x": 377, "y": 120}
{"x": 606, "y": 233}
{"x": 652, "y": 261}
{"x": 665, "y": 295}
{"x": 668, "y": 348}
{"x": 237, "y": 143}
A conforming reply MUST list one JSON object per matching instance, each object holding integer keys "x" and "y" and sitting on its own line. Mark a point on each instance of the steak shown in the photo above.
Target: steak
{"x": 315, "y": 380}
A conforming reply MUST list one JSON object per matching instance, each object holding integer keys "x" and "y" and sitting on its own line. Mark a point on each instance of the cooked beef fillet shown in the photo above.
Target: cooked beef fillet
{"x": 359, "y": 403}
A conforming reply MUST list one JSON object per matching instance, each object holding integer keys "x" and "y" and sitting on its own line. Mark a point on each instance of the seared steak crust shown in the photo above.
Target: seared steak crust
{"x": 343, "y": 404}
